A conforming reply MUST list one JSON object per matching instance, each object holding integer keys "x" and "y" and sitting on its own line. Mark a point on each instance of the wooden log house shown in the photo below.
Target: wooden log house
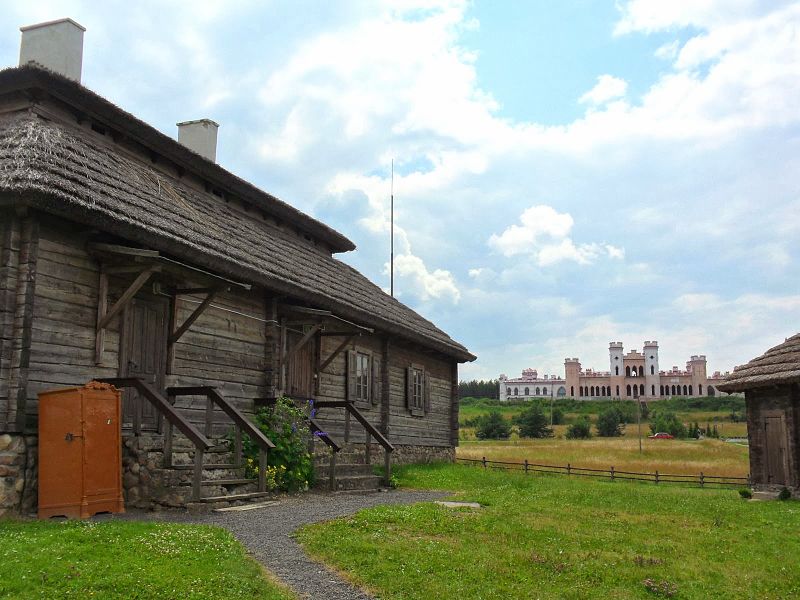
{"x": 771, "y": 386}
{"x": 127, "y": 256}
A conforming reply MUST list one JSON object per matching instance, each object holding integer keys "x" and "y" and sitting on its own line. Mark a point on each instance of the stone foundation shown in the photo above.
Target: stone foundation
{"x": 145, "y": 482}
{"x": 402, "y": 455}
{"x": 18, "y": 474}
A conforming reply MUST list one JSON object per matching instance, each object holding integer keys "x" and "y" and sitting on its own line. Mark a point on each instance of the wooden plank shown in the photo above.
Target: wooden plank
{"x": 102, "y": 304}
{"x": 303, "y": 341}
{"x": 127, "y": 296}
{"x": 336, "y": 352}
{"x": 176, "y": 335}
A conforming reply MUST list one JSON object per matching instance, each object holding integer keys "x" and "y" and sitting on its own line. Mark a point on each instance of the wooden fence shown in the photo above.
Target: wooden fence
{"x": 701, "y": 479}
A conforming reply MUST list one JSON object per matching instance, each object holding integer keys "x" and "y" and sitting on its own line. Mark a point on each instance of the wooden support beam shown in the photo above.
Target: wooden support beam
{"x": 127, "y": 296}
{"x": 336, "y": 352}
{"x": 102, "y": 304}
{"x": 303, "y": 341}
{"x": 176, "y": 335}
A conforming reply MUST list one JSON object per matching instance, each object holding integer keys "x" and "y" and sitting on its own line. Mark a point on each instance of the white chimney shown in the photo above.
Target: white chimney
{"x": 200, "y": 136}
{"x": 55, "y": 45}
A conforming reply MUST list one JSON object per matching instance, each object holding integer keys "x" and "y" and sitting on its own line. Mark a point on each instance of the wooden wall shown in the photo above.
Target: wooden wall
{"x": 783, "y": 400}
{"x": 65, "y": 315}
{"x": 223, "y": 349}
{"x": 49, "y": 287}
{"x": 435, "y": 428}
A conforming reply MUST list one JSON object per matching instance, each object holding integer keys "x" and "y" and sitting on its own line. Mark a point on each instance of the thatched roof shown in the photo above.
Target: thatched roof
{"x": 60, "y": 169}
{"x": 778, "y": 365}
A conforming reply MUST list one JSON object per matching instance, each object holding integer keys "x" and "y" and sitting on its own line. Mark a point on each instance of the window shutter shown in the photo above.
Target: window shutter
{"x": 426, "y": 391}
{"x": 351, "y": 376}
{"x": 375, "y": 385}
{"x": 409, "y": 388}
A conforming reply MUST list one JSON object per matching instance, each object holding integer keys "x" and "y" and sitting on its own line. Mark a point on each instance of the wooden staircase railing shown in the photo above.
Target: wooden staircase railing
{"x": 242, "y": 423}
{"x": 371, "y": 432}
{"x": 173, "y": 419}
{"x": 318, "y": 432}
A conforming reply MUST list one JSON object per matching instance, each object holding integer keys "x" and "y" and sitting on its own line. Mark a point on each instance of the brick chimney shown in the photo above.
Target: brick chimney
{"x": 200, "y": 136}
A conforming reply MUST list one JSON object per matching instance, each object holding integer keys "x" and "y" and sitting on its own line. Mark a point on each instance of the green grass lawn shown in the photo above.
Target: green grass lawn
{"x": 560, "y": 537}
{"x": 126, "y": 559}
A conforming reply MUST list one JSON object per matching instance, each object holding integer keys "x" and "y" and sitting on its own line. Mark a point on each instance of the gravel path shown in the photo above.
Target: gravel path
{"x": 267, "y": 534}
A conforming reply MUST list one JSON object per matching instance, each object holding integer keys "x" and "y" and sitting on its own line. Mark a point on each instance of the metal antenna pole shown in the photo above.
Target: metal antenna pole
{"x": 391, "y": 234}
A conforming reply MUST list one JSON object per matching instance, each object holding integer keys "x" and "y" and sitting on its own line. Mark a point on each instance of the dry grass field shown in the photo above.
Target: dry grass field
{"x": 683, "y": 457}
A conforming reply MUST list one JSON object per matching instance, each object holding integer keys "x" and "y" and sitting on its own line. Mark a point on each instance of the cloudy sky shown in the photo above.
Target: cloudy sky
{"x": 566, "y": 173}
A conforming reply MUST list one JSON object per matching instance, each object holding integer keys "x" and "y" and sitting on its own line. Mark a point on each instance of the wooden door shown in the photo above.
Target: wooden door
{"x": 144, "y": 356}
{"x": 300, "y": 368}
{"x": 775, "y": 449}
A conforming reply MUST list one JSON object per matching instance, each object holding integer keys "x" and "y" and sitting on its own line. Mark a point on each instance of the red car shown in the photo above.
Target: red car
{"x": 661, "y": 436}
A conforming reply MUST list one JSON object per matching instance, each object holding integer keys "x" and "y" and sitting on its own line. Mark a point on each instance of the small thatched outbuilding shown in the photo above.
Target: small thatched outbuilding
{"x": 771, "y": 385}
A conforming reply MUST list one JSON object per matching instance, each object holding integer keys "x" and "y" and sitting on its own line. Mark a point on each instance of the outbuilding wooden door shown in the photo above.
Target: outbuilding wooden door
{"x": 775, "y": 448}
{"x": 300, "y": 368}
{"x": 144, "y": 348}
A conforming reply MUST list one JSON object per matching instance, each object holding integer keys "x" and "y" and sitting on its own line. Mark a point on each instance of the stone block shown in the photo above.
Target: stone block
{"x": 5, "y": 441}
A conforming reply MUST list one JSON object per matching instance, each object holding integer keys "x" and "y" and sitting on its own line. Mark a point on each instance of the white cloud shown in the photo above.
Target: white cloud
{"x": 544, "y": 234}
{"x": 607, "y": 88}
{"x": 438, "y": 284}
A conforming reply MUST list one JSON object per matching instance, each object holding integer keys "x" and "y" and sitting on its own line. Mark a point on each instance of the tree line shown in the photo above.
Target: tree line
{"x": 479, "y": 389}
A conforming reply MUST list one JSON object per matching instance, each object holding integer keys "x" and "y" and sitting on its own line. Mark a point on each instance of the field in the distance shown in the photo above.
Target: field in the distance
{"x": 685, "y": 457}
{"x": 681, "y": 457}
{"x": 546, "y": 536}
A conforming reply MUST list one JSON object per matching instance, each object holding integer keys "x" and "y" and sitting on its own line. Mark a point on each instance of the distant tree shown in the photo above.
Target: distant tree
{"x": 609, "y": 423}
{"x": 580, "y": 430}
{"x": 493, "y": 426}
{"x": 668, "y": 422}
{"x": 557, "y": 416}
{"x": 533, "y": 423}
{"x": 479, "y": 389}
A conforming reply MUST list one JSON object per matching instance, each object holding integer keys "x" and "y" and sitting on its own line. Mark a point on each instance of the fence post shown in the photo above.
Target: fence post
{"x": 612, "y": 472}
{"x": 656, "y": 476}
{"x": 484, "y": 462}
{"x": 569, "y": 469}
{"x": 526, "y": 466}
{"x": 702, "y": 479}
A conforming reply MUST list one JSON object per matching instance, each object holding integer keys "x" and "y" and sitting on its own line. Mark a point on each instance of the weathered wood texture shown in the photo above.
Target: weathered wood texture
{"x": 774, "y": 403}
{"x": 9, "y": 259}
{"x": 65, "y": 316}
{"x": 394, "y": 420}
{"x": 22, "y": 297}
{"x": 221, "y": 348}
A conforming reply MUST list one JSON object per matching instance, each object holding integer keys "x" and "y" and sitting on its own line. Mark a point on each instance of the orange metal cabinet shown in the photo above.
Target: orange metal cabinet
{"x": 80, "y": 451}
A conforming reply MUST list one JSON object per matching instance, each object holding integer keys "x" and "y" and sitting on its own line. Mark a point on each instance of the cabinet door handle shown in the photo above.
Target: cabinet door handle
{"x": 71, "y": 436}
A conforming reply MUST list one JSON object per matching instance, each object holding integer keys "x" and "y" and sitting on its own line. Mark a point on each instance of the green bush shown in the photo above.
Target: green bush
{"x": 609, "y": 423}
{"x": 785, "y": 494}
{"x": 580, "y": 430}
{"x": 290, "y": 466}
{"x": 492, "y": 426}
{"x": 745, "y": 493}
{"x": 669, "y": 423}
{"x": 557, "y": 416}
{"x": 533, "y": 423}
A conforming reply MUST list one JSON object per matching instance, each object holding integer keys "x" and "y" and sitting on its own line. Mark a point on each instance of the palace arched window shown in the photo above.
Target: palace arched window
{"x": 508, "y": 391}
{"x": 627, "y": 371}
{"x": 538, "y": 391}
{"x": 527, "y": 392}
{"x": 673, "y": 391}
{"x": 653, "y": 390}
{"x": 700, "y": 389}
{"x": 544, "y": 391}
{"x": 641, "y": 371}
{"x": 652, "y": 370}
{"x": 516, "y": 391}
{"x": 661, "y": 390}
{"x": 572, "y": 391}
{"x": 581, "y": 391}
{"x": 618, "y": 391}
{"x": 641, "y": 389}
{"x": 685, "y": 391}
{"x": 711, "y": 390}
{"x": 628, "y": 390}
{"x": 562, "y": 391}
{"x": 690, "y": 390}
{"x": 616, "y": 370}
